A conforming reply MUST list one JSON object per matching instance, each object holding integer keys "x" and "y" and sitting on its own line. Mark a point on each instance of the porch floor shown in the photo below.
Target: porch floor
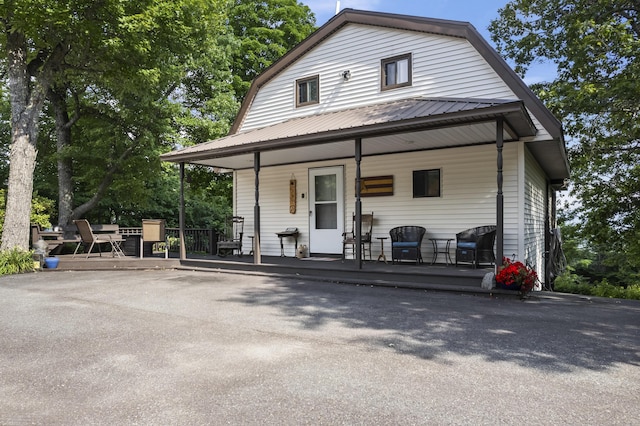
{"x": 406, "y": 274}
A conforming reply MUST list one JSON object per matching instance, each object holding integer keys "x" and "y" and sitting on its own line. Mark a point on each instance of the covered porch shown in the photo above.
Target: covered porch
{"x": 411, "y": 125}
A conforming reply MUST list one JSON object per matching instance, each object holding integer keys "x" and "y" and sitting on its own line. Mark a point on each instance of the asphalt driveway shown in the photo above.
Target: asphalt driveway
{"x": 188, "y": 347}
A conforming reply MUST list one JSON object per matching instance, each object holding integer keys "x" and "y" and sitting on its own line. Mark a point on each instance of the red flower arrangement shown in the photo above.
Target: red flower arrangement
{"x": 515, "y": 275}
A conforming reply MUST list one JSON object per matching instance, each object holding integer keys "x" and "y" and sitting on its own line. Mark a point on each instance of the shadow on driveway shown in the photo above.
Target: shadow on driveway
{"x": 551, "y": 331}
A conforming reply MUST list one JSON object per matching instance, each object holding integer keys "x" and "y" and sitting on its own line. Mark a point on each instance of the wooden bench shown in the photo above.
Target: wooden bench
{"x": 54, "y": 239}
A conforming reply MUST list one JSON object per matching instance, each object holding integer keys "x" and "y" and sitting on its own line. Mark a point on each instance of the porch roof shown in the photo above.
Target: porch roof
{"x": 412, "y": 124}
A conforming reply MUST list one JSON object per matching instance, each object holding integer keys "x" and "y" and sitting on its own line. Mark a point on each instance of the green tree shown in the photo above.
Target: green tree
{"x": 30, "y": 63}
{"x": 595, "y": 45}
{"x": 135, "y": 79}
{"x": 120, "y": 64}
{"x": 176, "y": 83}
{"x": 266, "y": 30}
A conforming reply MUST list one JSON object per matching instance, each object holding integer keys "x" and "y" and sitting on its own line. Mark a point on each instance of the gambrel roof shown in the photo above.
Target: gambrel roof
{"x": 414, "y": 123}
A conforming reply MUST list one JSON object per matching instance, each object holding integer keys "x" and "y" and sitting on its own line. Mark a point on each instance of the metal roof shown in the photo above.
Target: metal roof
{"x": 381, "y": 124}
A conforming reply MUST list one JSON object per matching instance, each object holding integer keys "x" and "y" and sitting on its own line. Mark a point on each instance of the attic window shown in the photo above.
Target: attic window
{"x": 307, "y": 91}
{"x": 396, "y": 72}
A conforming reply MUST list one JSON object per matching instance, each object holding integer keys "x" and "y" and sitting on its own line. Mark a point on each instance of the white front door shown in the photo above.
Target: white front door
{"x": 326, "y": 209}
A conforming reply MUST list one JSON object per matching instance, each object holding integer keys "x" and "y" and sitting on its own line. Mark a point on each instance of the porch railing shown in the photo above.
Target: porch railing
{"x": 197, "y": 240}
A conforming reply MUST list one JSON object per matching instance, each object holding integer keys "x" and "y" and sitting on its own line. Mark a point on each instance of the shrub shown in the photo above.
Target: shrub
{"x": 576, "y": 284}
{"x": 604, "y": 289}
{"x": 15, "y": 261}
{"x": 633, "y": 292}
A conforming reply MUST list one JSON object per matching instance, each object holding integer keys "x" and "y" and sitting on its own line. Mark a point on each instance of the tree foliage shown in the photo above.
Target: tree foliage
{"x": 175, "y": 85}
{"x": 123, "y": 68}
{"x": 265, "y": 31}
{"x": 133, "y": 79}
{"x": 41, "y": 210}
{"x": 595, "y": 45}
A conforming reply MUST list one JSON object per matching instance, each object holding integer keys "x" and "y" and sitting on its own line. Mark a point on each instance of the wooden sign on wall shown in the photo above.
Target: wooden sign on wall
{"x": 376, "y": 186}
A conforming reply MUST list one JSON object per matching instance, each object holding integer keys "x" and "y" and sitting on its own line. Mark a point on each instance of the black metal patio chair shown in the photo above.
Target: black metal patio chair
{"x": 406, "y": 243}
{"x": 475, "y": 245}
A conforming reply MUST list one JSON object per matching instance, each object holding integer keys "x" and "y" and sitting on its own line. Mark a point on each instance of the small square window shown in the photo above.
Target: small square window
{"x": 396, "y": 72}
{"x": 426, "y": 183}
{"x": 307, "y": 90}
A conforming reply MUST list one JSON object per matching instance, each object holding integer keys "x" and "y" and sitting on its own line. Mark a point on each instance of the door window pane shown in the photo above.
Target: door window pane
{"x": 327, "y": 216}
{"x": 325, "y": 187}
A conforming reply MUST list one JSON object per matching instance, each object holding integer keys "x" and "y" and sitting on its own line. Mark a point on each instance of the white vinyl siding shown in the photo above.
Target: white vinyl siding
{"x": 468, "y": 177}
{"x": 535, "y": 191}
{"x": 441, "y": 67}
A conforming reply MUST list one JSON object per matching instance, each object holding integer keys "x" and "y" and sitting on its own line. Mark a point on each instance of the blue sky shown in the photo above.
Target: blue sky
{"x": 478, "y": 12}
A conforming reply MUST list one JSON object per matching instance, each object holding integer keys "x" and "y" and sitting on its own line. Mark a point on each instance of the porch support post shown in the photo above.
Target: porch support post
{"x": 500, "y": 195}
{"x": 549, "y": 225}
{"x": 181, "y": 215}
{"x": 358, "y": 204}
{"x": 257, "y": 258}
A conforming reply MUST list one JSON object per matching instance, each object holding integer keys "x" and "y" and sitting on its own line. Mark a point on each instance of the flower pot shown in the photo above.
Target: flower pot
{"x": 51, "y": 262}
{"x": 504, "y": 286}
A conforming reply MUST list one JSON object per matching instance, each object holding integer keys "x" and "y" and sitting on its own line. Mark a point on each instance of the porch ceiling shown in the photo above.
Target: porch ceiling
{"x": 409, "y": 125}
{"x": 376, "y": 145}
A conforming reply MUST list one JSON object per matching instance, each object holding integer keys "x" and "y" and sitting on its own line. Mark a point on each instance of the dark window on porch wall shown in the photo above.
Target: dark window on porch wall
{"x": 307, "y": 90}
{"x": 426, "y": 183}
{"x": 396, "y": 72}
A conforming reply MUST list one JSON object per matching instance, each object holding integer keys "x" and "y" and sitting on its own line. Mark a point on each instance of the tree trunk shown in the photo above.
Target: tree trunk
{"x": 26, "y": 106}
{"x": 28, "y": 85}
{"x": 63, "y": 141}
{"x": 79, "y": 211}
{"x": 15, "y": 231}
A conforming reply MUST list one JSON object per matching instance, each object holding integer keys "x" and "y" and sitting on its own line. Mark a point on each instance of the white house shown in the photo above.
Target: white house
{"x": 426, "y": 107}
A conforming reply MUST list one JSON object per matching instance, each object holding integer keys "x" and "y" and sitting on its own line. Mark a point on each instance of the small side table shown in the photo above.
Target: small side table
{"x": 437, "y": 249}
{"x": 289, "y": 232}
{"x": 382, "y": 255}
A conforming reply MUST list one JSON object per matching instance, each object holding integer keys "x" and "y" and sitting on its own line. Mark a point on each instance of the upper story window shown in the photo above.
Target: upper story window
{"x": 307, "y": 90}
{"x": 396, "y": 72}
